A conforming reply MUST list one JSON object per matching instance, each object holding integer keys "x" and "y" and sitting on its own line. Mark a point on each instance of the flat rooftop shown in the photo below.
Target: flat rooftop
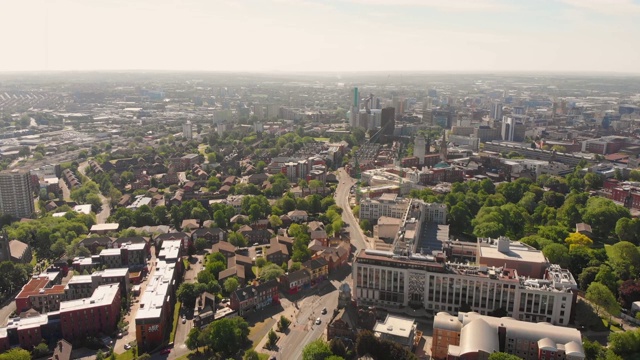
{"x": 516, "y": 251}
{"x": 105, "y": 227}
{"x": 102, "y": 295}
{"x": 111, "y": 252}
{"x": 395, "y": 325}
{"x": 154, "y": 296}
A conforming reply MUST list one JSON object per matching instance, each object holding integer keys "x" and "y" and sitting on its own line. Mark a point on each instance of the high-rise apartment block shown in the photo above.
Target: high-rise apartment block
{"x": 187, "y": 130}
{"x": 419, "y": 149}
{"x": 16, "y": 193}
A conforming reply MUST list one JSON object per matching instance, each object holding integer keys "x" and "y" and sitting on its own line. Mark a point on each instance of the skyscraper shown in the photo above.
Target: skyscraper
{"x": 419, "y": 149}
{"x": 388, "y": 120}
{"x": 496, "y": 111}
{"x": 508, "y": 128}
{"x": 16, "y": 194}
{"x": 187, "y": 130}
{"x": 355, "y": 109}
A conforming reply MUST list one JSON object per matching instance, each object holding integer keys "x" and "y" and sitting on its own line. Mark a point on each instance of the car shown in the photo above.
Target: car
{"x": 324, "y": 311}
{"x": 127, "y": 346}
{"x": 165, "y": 351}
{"x": 184, "y": 320}
{"x": 318, "y": 321}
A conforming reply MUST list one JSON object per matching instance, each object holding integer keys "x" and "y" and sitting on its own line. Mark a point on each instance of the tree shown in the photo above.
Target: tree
{"x": 251, "y": 355}
{"x": 316, "y": 350}
{"x": 261, "y": 262}
{"x": 194, "y": 338}
{"x": 502, "y": 356}
{"x": 557, "y": 254}
{"x": 602, "y": 298}
{"x": 231, "y": 284}
{"x": 41, "y": 350}
{"x": 237, "y": 239}
{"x": 99, "y": 355}
{"x": 366, "y": 344}
{"x": 271, "y": 272}
{"x": 628, "y": 230}
{"x": 275, "y": 221}
{"x": 629, "y": 292}
{"x": 227, "y": 336}
{"x": 338, "y": 347}
{"x": 201, "y": 244}
{"x": 587, "y": 276}
{"x": 283, "y": 323}
{"x": 603, "y": 214}
{"x": 187, "y": 294}
{"x": 272, "y": 339}
{"x": 576, "y": 239}
{"x": 624, "y": 258}
{"x": 16, "y": 354}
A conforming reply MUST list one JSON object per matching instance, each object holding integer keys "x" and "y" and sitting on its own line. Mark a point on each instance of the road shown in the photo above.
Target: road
{"x": 130, "y": 338}
{"x": 183, "y": 330}
{"x": 303, "y": 328}
{"x": 105, "y": 210}
{"x": 358, "y": 239}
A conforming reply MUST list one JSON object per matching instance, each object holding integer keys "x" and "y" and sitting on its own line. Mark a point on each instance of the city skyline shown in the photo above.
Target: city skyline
{"x": 323, "y": 36}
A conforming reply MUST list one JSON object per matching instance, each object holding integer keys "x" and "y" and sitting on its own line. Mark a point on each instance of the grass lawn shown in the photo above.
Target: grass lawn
{"x": 127, "y": 355}
{"x": 605, "y": 322}
{"x": 256, "y": 271}
{"x": 186, "y": 263}
{"x": 176, "y": 317}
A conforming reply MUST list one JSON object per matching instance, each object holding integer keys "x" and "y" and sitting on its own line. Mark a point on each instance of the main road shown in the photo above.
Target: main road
{"x": 358, "y": 239}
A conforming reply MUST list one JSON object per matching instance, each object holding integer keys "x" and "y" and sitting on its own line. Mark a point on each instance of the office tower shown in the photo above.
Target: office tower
{"x": 518, "y": 110}
{"x": 388, "y": 120}
{"x": 355, "y": 109}
{"x": 508, "y": 127}
{"x": 496, "y": 111}
{"x": 258, "y": 127}
{"x": 187, "y": 130}
{"x": 16, "y": 194}
{"x": 419, "y": 149}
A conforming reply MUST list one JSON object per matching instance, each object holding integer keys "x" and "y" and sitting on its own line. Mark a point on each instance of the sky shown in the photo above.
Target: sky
{"x": 321, "y": 35}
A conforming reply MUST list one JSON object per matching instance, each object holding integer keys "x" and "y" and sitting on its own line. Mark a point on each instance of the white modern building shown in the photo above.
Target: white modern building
{"x": 419, "y": 149}
{"x": 385, "y": 279}
{"x": 187, "y": 130}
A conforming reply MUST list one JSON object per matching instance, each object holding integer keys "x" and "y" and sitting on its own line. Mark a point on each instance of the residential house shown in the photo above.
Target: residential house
{"x": 95, "y": 243}
{"x": 257, "y": 179}
{"x": 254, "y": 297}
{"x": 277, "y": 252}
{"x": 584, "y": 229}
{"x": 336, "y": 257}
{"x": 212, "y": 235}
{"x": 295, "y": 281}
{"x": 318, "y": 269}
{"x": 182, "y": 236}
{"x": 224, "y": 248}
{"x": 260, "y": 236}
{"x": 298, "y": 215}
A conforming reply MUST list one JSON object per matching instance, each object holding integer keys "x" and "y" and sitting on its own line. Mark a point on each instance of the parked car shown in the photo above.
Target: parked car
{"x": 165, "y": 351}
{"x": 324, "y": 311}
{"x": 127, "y": 346}
{"x": 318, "y": 321}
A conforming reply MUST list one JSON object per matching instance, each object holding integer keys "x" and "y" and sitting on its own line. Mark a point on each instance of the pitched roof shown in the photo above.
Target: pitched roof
{"x": 17, "y": 248}
{"x": 298, "y": 275}
{"x": 315, "y": 263}
{"x": 62, "y": 351}
{"x": 223, "y": 246}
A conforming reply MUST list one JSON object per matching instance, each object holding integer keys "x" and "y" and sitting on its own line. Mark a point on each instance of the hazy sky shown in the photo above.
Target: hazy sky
{"x": 321, "y": 35}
